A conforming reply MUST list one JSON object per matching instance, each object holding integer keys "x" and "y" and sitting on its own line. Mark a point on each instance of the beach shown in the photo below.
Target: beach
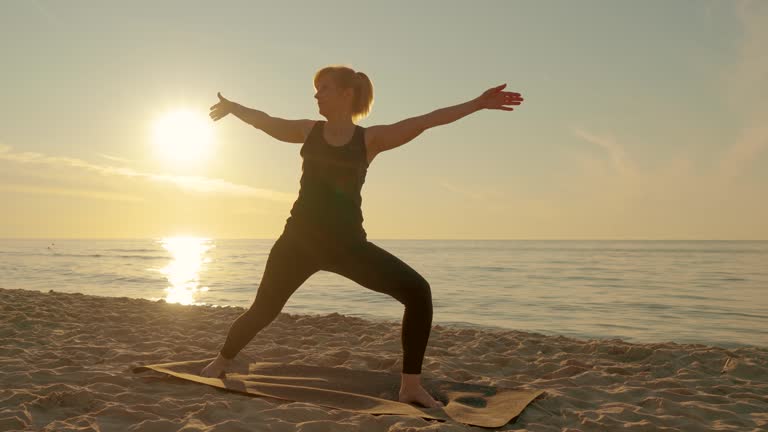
{"x": 66, "y": 364}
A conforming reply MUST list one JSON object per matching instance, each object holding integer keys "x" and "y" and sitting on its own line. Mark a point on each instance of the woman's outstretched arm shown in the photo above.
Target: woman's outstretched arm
{"x": 386, "y": 137}
{"x": 293, "y": 131}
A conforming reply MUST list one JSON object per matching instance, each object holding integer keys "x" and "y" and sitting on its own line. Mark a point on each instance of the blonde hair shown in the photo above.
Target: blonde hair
{"x": 345, "y": 78}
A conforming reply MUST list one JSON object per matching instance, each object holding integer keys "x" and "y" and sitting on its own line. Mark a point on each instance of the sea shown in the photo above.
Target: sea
{"x": 643, "y": 291}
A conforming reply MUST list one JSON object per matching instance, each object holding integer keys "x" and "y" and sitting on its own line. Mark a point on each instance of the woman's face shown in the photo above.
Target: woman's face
{"x": 330, "y": 98}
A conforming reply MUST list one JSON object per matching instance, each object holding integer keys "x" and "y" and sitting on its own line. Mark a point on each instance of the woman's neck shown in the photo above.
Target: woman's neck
{"x": 339, "y": 127}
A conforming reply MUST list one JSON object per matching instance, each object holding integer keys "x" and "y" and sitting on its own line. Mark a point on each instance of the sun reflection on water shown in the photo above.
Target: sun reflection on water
{"x": 183, "y": 272}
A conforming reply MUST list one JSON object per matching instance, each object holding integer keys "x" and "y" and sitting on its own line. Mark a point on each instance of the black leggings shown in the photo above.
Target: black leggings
{"x": 294, "y": 258}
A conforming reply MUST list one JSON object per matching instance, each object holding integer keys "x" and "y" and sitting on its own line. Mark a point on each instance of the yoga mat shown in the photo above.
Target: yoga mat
{"x": 371, "y": 392}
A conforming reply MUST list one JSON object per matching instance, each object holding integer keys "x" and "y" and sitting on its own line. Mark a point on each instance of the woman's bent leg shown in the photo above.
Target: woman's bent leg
{"x": 288, "y": 266}
{"x": 379, "y": 270}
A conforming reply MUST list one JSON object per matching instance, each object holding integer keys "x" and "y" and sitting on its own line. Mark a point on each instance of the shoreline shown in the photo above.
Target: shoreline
{"x": 67, "y": 359}
{"x": 457, "y": 324}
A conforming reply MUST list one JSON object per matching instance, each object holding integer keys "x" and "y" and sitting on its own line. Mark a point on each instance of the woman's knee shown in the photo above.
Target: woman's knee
{"x": 419, "y": 293}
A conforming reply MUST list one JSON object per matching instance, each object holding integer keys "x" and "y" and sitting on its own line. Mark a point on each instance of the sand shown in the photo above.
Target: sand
{"x": 66, "y": 364}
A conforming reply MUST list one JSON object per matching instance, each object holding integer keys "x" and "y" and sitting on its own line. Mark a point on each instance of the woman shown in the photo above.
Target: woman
{"x": 325, "y": 231}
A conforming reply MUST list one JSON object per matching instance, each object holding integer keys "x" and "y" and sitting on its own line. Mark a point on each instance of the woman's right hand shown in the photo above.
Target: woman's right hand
{"x": 222, "y": 108}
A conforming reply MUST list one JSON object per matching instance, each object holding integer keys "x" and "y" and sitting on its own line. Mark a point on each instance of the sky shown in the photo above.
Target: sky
{"x": 641, "y": 120}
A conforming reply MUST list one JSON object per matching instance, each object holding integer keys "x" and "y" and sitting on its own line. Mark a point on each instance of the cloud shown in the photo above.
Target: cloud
{"x": 189, "y": 183}
{"x": 746, "y": 93}
{"x": 49, "y": 190}
{"x": 747, "y": 84}
{"x": 615, "y": 151}
{"x": 115, "y": 158}
{"x": 753, "y": 139}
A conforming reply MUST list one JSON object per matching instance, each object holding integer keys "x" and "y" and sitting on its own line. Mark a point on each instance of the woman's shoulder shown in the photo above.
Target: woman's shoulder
{"x": 308, "y": 127}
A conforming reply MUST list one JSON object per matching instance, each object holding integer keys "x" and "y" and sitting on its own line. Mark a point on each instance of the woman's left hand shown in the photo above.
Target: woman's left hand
{"x": 495, "y": 98}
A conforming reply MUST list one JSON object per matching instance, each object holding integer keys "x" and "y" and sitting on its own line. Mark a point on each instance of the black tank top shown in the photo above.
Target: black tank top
{"x": 329, "y": 202}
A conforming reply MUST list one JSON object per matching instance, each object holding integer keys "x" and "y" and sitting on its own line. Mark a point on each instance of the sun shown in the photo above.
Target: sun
{"x": 183, "y": 137}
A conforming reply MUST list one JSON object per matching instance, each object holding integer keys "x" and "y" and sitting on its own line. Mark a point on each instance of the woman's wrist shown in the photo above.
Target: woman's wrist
{"x": 235, "y": 107}
{"x": 477, "y": 104}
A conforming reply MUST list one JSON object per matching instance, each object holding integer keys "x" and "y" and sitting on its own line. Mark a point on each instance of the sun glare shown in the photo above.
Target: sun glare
{"x": 183, "y": 272}
{"x": 183, "y": 137}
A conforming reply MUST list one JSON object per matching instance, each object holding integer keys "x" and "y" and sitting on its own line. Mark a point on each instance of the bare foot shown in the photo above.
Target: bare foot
{"x": 216, "y": 368}
{"x": 419, "y": 395}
